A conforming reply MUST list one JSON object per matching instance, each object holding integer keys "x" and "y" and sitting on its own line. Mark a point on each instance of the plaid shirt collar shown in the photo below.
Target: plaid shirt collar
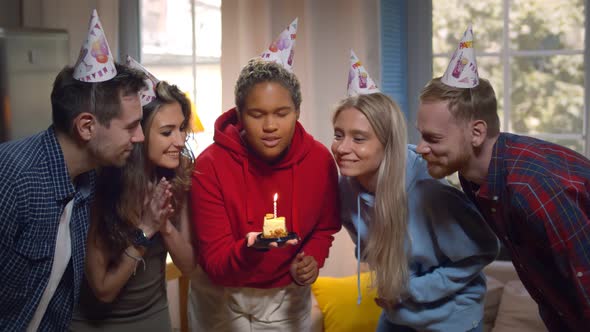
{"x": 63, "y": 187}
{"x": 495, "y": 180}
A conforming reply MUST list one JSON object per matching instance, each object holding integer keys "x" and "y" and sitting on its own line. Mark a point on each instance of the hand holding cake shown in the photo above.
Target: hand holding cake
{"x": 274, "y": 231}
{"x": 258, "y": 241}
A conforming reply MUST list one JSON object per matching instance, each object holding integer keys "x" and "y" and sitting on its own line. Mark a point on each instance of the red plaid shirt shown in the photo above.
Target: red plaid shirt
{"x": 536, "y": 198}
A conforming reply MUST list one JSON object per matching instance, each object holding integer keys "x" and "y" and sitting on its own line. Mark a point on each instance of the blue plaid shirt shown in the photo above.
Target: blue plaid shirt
{"x": 536, "y": 198}
{"x": 34, "y": 188}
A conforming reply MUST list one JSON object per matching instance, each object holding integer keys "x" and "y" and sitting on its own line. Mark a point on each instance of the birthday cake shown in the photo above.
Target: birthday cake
{"x": 274, "y": 227}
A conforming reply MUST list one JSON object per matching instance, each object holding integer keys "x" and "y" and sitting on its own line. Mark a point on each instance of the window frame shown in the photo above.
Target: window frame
{"x": 130, "y": 43}
{"x": 421, "y": 11}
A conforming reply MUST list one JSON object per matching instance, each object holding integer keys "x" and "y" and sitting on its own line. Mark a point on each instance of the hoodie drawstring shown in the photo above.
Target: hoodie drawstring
{"x": 245, "y": 167}
{"x": 362, "y": 231}
{"x": 358, "y": 250}
{"x": 294, "y": 210}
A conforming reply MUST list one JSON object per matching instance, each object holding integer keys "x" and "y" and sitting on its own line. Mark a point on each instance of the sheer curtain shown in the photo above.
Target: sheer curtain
{"x": 327, "y": 30}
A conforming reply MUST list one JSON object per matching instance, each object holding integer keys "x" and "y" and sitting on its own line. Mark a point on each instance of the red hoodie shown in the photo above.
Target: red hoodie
{"x": 232, "y": 190}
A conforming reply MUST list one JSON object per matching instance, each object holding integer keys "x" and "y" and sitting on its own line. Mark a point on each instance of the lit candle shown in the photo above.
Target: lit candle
{"x": 275, "y": 204}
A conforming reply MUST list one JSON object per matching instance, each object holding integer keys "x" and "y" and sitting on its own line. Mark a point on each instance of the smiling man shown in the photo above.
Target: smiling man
{"x": 47, "y": 183}
{"x": 533, "y": 194}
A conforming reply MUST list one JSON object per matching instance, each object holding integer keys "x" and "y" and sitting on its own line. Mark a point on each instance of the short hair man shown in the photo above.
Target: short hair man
{"x": 46, "y": 183}
{"x": 533, "y": 194}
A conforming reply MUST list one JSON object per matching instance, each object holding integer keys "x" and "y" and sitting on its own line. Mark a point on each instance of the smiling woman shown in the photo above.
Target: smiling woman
{"x": 396, "y": 213}
{"x": 167, "y": 135}
{"x": 140, "y": 214}
{"x": 358, "y": 151}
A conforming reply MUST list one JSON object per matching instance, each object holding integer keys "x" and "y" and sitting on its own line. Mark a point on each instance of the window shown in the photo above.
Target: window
{"x": 181, "y": 43}
{"x": 533, "y": 54}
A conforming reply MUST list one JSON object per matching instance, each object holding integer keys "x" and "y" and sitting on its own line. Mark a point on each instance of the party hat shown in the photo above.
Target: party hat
{"x": 149, "y": 94}
{"x": 462, "y": 70}
{"x": 359, "y": 81}
{"x": 282, "y": 49}
{"x": 95, "y": 62}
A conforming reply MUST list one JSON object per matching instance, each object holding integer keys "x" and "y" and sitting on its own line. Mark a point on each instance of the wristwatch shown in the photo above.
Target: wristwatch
{"x": 140, "y": 239}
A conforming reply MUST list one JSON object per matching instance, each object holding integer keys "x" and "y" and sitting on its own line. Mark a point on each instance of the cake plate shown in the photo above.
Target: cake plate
{"x": 278, "y": 240}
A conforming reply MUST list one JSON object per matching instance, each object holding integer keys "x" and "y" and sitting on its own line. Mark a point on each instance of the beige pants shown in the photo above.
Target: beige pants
{"x": 215, "y": 308}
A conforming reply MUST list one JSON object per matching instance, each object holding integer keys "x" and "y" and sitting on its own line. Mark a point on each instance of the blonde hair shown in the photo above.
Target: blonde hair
{"x": 385, "y": 250}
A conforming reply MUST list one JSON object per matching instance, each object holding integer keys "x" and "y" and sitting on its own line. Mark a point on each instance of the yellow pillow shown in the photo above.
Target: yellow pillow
{"x": 337, "y": 300}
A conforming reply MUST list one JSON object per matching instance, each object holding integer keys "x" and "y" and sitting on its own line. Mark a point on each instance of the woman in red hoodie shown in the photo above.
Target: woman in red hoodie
{"x": 261, "y": 149}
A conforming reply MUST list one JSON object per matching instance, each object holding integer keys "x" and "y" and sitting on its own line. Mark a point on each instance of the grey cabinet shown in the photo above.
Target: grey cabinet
{"x": 29, "y": 62}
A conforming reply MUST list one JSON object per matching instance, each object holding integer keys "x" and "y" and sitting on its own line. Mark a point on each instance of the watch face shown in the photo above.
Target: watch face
{"x": 140, "y": 239}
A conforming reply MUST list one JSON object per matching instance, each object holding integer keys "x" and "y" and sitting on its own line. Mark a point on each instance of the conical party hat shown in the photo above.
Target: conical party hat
{"x": 462, "y": 70}
{"x": 359, "y": 81}
{"x": 95, "y": 62}
{"x": 282, "y": 49}
{"x": 149, "y": 94}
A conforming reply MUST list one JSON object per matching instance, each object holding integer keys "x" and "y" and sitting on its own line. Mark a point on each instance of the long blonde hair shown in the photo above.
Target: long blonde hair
{"x": 386, "y": 246}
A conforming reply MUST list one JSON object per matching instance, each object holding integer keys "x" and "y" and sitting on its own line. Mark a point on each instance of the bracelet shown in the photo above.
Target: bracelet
{"x": 136, "y": 259}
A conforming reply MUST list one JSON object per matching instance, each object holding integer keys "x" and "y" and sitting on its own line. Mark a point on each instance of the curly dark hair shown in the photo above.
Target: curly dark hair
{"x": 259, "y": 71}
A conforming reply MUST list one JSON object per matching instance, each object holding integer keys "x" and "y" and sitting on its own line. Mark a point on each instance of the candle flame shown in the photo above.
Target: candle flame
{"x": 276, "y": 197}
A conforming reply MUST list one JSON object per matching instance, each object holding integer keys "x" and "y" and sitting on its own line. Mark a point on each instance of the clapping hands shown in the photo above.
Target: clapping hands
{"x": 156, "y": 208}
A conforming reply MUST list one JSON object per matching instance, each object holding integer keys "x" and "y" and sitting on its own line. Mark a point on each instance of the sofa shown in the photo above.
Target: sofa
{"x": 508, "y": 306}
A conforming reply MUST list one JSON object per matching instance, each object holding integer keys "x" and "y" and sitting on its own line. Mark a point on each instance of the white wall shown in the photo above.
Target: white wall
{"x": 327, "y": 30}
{"x": 334, "y": 28}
